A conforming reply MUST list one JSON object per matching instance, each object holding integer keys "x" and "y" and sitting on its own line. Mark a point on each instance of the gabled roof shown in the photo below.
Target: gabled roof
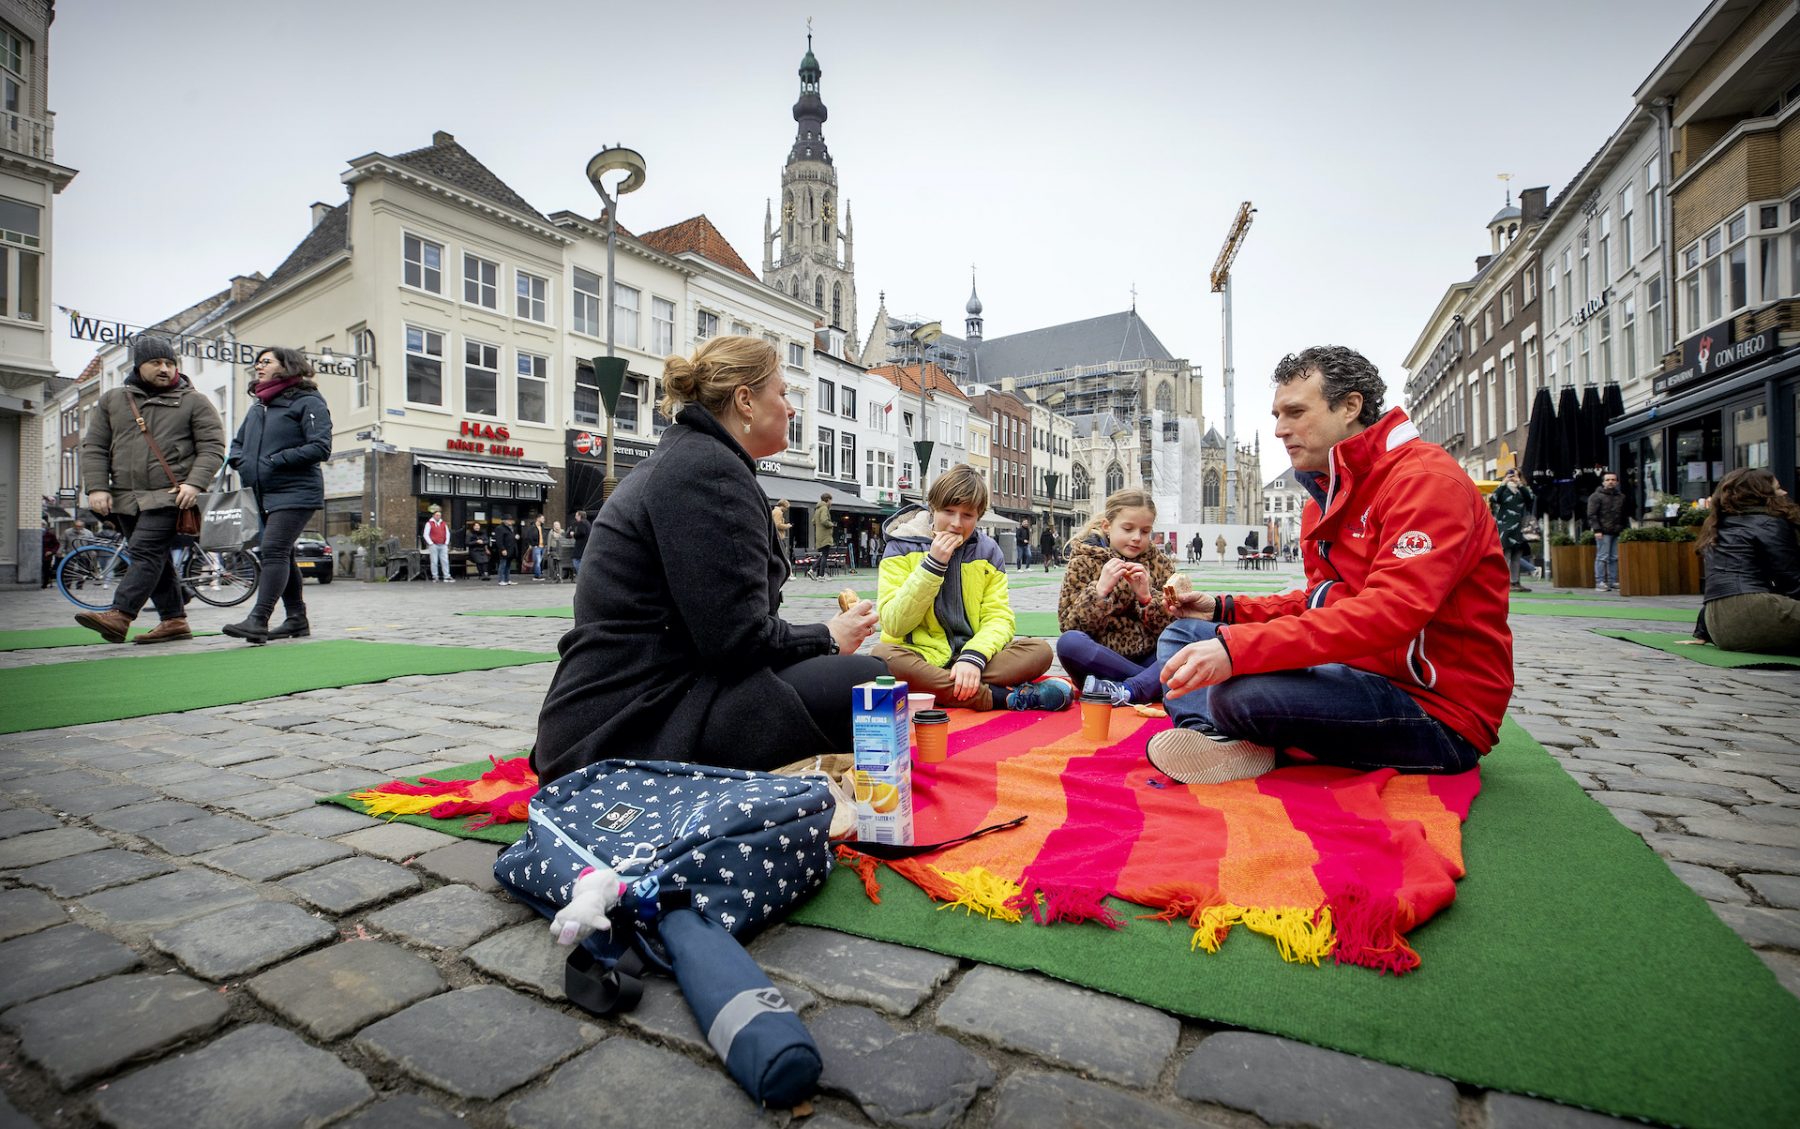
{"x": 1287, "y": 480}
{"x": 1111, "y": 337}
{"x": 329, "y": 236}
{"x": 92, "y": 370}
{"x": 907, "y": 377}
{"x": 1212, "y": 438}
{"x": 449, "y": 162}
{"x": 702, "y": 238}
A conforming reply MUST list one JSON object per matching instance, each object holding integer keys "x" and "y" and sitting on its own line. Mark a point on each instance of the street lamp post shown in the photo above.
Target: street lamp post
{"x": 923, "y": 337}
{"x": 609, "y": 371}
{"x": 1051, "y": 481}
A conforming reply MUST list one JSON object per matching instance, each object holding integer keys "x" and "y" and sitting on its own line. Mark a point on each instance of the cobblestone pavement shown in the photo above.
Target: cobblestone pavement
{"x": 171, "y": 901}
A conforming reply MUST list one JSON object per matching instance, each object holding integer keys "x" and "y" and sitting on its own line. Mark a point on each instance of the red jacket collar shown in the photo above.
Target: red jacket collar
{"x": 1351, "y": 458}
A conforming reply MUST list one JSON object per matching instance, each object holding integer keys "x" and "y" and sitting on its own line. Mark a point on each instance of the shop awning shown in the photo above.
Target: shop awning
{"x": 806, "y": 492}
{"x": 499, "y": 472}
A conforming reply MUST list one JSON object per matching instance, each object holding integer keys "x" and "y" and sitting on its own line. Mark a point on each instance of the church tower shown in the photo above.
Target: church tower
{"x": 808, "y": 244}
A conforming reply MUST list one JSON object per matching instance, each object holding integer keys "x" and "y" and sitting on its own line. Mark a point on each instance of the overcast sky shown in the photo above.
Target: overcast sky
{"x": 1070, "y": 150}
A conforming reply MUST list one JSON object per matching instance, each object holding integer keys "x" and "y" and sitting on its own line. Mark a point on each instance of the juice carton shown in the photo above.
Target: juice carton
{"x": 881, "y": 744}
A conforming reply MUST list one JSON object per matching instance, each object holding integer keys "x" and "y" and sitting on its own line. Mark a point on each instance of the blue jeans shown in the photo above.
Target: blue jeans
{"x": 1606, "y": 560}
{"x": 1338, "y": 714}
{"x": 505, "y": 569}
{"x": 1081, "y": 656}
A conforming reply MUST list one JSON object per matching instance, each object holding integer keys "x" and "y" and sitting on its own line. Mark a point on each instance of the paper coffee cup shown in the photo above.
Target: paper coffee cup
{"x": 1096, "y": 716}
{"x": 931, "y": 728}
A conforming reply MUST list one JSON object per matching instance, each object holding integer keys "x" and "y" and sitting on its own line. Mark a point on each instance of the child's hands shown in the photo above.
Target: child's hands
{"x": 944, "y": 546}
{"x": 1140, "y": 582}
{"x": 1112, "y": 573}
{"x": 968, "y": 681}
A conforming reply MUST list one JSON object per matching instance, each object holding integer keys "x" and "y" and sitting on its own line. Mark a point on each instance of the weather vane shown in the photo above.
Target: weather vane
{"x": 1506, "y": 179}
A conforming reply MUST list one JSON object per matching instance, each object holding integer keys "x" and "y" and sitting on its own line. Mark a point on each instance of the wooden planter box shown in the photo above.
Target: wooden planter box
{"x": 1658, "y": 568}
{"x": 1572, "y": 566}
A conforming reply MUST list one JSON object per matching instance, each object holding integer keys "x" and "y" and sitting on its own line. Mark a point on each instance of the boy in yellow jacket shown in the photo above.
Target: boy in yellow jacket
{"x": 946, "y": 623}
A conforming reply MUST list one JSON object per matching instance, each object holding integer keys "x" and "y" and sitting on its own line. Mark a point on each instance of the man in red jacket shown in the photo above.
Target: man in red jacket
{"x": 1396, "y": 654}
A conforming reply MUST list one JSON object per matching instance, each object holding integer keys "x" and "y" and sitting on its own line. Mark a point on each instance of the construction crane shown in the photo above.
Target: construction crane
{"x": 1221, "y": 284}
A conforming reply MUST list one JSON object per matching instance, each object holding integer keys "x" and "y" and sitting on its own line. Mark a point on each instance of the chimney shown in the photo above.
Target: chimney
{"x": 1482, "y": 261}
{"x": 443, "y": 137}
{"x": 319, "y": 211}
{"x": 1532, "y": 205}
{"x": 244, "y": 287}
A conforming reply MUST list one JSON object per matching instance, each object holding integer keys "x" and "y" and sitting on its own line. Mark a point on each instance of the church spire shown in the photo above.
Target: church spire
{"x": 972, "y": 324}
{"x": 809, "y": 112}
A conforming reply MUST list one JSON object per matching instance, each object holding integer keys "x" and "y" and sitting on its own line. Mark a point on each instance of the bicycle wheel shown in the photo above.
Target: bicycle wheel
{"x": 88, "y": 575}
{"x": 223, "y": 580}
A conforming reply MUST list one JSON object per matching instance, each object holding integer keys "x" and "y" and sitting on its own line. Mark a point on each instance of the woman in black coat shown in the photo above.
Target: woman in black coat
{"x": 475, "y": 543}
{"x": 678, "y": 651}
{"x": 1752, "y": 560}
{"x": 285, "y": 435}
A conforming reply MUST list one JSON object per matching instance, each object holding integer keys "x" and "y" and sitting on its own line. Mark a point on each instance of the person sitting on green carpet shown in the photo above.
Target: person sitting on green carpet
{"x": 1752, "y": 565}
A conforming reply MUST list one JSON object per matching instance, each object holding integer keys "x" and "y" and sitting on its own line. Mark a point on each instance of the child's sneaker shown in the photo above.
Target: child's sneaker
{"x": 1051, "y": 694}
{"x": 1117, "y": 691}
{"x": 1192, "y": 756}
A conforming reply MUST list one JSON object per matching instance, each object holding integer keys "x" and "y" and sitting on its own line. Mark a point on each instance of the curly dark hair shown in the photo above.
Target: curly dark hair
{"x": 1343, "y": 371}
{"x": 1744, "y": 490}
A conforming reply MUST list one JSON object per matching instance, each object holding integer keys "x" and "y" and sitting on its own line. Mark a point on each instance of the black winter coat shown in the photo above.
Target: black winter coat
{"x": 506, "y": 542}
{"x": 1754, "y": 552}
{"x": 1606, "y": 512}
{"x": 677, "y": 636}
{"x": 278, "y": 449}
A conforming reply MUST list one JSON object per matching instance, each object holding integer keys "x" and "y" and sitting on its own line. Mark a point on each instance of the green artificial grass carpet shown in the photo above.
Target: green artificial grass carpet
{"x": 31, "y": 639}
{"x": 1671, "y": 641}
{"x": 77, "y": 693}
{"x": 1622, "y": 610}
{"x": 1044, "y": 625}
{"x": 565, "y": 612}
{"x": 1573, "y": 965}
{"x": 460, "y": 826}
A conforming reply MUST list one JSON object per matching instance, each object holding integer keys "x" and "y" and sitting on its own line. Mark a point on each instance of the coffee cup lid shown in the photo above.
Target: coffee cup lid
{"x": 931, "y": 717}
{"x": 1096, "y": 696}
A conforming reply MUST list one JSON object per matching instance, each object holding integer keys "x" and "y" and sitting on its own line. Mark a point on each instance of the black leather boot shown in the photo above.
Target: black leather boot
{"x": 254, "y": 629}
{"x": 293, "y": 627}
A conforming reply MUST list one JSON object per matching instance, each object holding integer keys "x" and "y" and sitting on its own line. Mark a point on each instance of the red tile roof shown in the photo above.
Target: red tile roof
{"x": 907, "y": 377}
{"x": 701, "y": 237}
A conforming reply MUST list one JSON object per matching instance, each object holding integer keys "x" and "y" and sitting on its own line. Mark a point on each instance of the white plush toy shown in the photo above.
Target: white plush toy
{"x": 597, "y": 890}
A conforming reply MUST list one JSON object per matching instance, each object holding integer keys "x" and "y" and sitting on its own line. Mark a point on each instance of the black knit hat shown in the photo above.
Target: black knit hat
{"x": 149, "y": 347}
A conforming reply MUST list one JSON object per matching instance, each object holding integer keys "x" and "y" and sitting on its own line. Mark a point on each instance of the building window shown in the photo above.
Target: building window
{"x": 1568, "y": 359}
{"x": 1209, "y": 488}
{"x": 1115, "y": 481}
{"x": 533, "y": 388}
{"x": 796, "y": 355}
{"x": 662, "y": 326}
{"x": 20, "y": 270}
{"x": 1606, "y": 358}
{"x": 481, "y": 379}
{"x": 827, "y": 453}
{"x": 625, "y": 316}
{"x": 797, "y": 423}
{"x": 1626, "y": 246}
{"x": 1510, "y": 389}
{"x": 1528, "y": 280}
{"x": 1587, "y": 269}
{"x": 819, "y": 292}
{"x": 706, "y": 325}
{"x": 532, "y": 293}
{"x": 586, "y": 315}
{"x": 739, "y": 329}
{"x": 424, "y": 366}
{"x": 1605, "y": 250}
{"x": 1165, "y": 397}
{"x": 587, "y": 396}
{"x": 481, "y": 282}
{"x": 837, "y": 304}
{"x": 362, "y": 342}
{"x": 847, "y": 402}
{"x": 847, "y": 453}
{"x": 1653, "y": 197}
{"x": 422, "y": 264}
{"x": 827, "y": 397}
{"x": 1568, "y": 280}
{"x": 1506, "y": 304}
{"x": 1587, "y": 359}
{"x": 1550, "y": 296}
{"x": 878, "y": 469}
{"x": 631, "y": 394}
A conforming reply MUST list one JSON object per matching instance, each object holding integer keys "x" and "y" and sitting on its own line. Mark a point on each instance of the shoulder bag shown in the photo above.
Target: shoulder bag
{"x": 187, "y": 521}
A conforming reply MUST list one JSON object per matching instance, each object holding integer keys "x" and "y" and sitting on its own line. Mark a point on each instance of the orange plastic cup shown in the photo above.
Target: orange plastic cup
{"x": 1096, "y": 716}
{"x": 931, "y": 728}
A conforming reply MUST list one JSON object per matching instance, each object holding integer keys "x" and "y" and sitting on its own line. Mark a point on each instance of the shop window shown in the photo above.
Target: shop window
{"x": 437, "y": 482}
{"x": 1697, "y": 462}
{"x": 1750, "y": 437}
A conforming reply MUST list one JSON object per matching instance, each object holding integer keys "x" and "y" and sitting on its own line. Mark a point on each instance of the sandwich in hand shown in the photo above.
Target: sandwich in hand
{"x": 848, "y": 599}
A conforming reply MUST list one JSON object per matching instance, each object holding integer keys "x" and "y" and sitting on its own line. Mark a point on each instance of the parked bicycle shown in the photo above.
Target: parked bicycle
{"x": 90, "y": 573}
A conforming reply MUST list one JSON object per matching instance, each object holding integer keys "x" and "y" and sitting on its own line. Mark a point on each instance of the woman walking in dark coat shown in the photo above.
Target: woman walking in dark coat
{"x": 285, "y": 435}
{"x": 678, "y": 651}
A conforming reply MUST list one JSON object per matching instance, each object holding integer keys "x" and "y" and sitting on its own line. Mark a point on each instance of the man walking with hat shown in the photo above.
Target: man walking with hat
{"x": 437, "y": 544}
{"x": 153, "y": 444}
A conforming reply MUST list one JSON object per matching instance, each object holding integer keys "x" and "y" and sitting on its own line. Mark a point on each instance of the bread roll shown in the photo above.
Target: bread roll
{"x": 1176, "y": 587}
{"x": 848, "y": 599}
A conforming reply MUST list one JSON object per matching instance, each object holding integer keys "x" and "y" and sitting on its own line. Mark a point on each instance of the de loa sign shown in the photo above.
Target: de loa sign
{"x": 1711, "y": 352}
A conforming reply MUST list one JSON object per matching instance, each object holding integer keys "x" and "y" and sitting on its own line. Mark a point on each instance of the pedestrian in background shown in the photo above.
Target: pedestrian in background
{"x": 821, "y": 532}
{"x": 1511, "y": 505}
{"x": 782, "y": 526}
{"x": 1607, "y": 517}
{"x": 1047, "y": 545}
{"x": 1024, "y": 543}
{"x": 277, "y": 452}
{"x": 49, "y": 547}
{"x": 437, "y": 544}
{"x": 579, "y": 534}
{"x": 153, "y": 444}
{"x": 534, "y": 546}
{"x": 505, "y": 543}
{"x": 475, "y": 543}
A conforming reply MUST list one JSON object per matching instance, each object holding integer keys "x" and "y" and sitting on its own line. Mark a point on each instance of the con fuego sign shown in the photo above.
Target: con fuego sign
{"x": 104, "y": 332}
{"x": 1712, "y": 352}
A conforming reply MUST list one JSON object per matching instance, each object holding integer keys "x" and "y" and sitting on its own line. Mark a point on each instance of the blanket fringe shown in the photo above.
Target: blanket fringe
{"x": 864, "y": 866}
{"x": 398, "y": 798}
{"x": 1301, "y": 935}
{"x": 1372, "y": 931}
{"x": 976, "y": 890}
{"x": 1049, "y": 904}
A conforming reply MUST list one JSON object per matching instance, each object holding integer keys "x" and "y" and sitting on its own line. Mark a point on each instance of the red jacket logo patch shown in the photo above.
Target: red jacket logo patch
{"x": 1411, "y": 544}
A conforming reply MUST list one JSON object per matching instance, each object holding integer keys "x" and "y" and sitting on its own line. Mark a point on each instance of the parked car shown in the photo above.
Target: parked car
{"x": 312, "y": 556}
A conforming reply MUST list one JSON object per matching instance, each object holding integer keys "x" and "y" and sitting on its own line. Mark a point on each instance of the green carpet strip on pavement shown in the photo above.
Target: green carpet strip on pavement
{"x": 31, "y": 639}
{"x": 1622, "y": 610}
{"x": 461, "y": 826}
{"x": 1671, "y": 641}
{"x": 53, "y": 695}
{"x": 1573, "y": 965}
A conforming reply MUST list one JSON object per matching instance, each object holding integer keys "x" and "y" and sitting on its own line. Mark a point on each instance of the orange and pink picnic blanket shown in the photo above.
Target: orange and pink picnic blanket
{"x": 1328, "y": 862}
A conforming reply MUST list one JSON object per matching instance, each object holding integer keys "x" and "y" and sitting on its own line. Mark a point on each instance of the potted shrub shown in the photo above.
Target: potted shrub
{"x": 1572, "y": 561}
{"x": 368, "y": 540}
{"x": 1658, "y": 561}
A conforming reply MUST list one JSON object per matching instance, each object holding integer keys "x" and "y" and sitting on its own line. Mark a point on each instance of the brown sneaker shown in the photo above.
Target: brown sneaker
{"x": 167, "y": 631}
{"x": 1188, "y": 756}
{"x": 112, "y": 624}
